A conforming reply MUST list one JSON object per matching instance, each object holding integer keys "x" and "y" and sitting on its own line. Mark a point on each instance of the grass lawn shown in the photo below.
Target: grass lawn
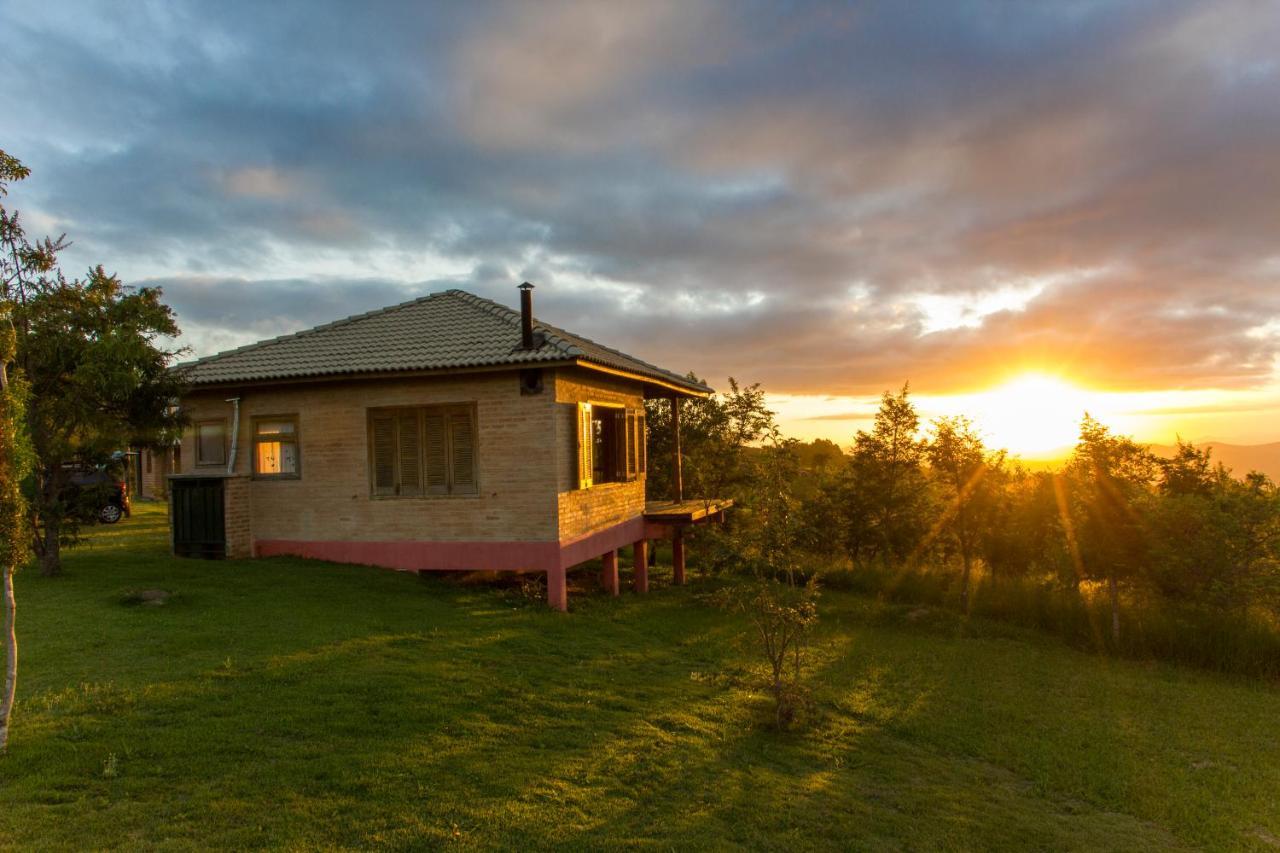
{"x": 288, "y": 703}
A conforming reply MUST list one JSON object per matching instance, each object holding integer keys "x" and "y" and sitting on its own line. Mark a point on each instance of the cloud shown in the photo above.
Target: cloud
{"x": 827, "y": 199}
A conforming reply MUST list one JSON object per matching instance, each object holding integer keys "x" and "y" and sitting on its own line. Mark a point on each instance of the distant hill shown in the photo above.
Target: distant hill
{"x": 1240, "y": 458}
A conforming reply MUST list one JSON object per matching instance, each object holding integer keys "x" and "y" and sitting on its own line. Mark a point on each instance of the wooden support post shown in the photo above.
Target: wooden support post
{"x": 677, "y": 556}
{"x": 640, "y": 559}
{"x": 677, "y": 475}
{"x": 609, "y": 572}
{"x": 557, "y": 589}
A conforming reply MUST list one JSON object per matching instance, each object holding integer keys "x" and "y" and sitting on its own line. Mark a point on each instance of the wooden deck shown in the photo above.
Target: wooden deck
{"x": 684, "y": 512}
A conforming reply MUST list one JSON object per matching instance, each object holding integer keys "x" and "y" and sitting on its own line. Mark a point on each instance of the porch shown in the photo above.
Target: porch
{"x": 662, "y": 519}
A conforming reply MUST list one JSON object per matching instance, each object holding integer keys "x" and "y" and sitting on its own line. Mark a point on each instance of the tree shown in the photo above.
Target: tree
{"x": 782, "y": 618}
{"x": 969, "y": 476}
{"x": 1189, "y": 471}
{"x": 18, "y": 258}
{"x": 885, "y": 488}
{"x": 1025, "y": 530}
{"x": 781, "y": 609}
{"x": 98, "y": 381}
{"x": 715, "y": 432}
{"x": 1109, "y": 476}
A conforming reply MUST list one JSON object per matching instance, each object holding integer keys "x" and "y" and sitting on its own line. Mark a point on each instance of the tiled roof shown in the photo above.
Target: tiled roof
{"x": 442, "y": 331}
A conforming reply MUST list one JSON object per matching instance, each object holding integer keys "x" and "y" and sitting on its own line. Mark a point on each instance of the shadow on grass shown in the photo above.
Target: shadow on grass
{"x": 292, "y": 703}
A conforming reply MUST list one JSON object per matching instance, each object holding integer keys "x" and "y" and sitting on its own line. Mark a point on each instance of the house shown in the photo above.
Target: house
{"x": 147, "y": 471}
{"x": 448, "y": 433}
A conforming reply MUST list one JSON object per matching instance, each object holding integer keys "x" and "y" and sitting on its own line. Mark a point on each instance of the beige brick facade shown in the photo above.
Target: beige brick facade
{"x": 237, "y": 503}
{"x": 525, "y": 462}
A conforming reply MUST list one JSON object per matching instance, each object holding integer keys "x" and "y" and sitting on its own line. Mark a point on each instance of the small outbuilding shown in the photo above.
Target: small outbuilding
{"x": 449, "y": 433}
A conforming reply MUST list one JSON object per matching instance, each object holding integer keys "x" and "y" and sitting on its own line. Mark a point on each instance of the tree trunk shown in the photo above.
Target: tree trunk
{"x": 11, "y": 560}
{"x": 11, "y": 657}
{"x": 1114, "y": 589}
{"x": 51, "y": 555}
{"x": 964, "y": 579}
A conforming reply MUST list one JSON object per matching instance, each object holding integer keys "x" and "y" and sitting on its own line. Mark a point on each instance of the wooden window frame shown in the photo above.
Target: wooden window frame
{"x": 420, "y": 414}
{"x": 199, "y": 461}
{"x": 628, "y": 450}
{"x": 256, "y": 439}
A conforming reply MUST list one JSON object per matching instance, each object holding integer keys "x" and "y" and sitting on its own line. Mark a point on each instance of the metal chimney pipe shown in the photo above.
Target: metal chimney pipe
{"x": 526, "y": 315}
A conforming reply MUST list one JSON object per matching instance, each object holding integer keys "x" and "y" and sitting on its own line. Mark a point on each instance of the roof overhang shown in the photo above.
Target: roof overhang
{"x": 653, "y": 388}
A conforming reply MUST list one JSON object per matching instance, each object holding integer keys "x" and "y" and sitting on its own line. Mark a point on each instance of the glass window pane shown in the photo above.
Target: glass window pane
{"x": 276, "y": 457}
{"x": 275, "y": 428}
{"x": 289, "y": 458}
{"x": 209, "y": 443}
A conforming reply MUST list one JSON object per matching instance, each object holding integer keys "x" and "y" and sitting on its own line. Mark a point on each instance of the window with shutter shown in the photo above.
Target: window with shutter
{"x": 609, "y": 444}
{"x": 408, "y": 440}
{"x": 586, "y": 440}
{"x": 620, "y": 472}
{"x": 437, "y": 454}
{"x": 462, "y": 452}
{"x": 428, "y": 450}
{"x": 382, "y": 444}
{"x": 632, "y": 467}
{"x": 642, "y": 444}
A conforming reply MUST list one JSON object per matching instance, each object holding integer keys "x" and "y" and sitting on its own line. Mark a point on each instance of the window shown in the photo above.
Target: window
{"x": 211, "y": 442}
{"x": 429, "y": 450}
{"x": 275, "y": 447}
{"x": 609, "y": 444}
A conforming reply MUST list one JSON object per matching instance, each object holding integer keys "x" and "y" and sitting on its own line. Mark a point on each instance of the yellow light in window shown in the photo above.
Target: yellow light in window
{"x": 269, "y": 457}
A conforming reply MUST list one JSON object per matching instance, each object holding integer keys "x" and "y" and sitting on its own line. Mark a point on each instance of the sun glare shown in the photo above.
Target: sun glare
{"x": 1034, "y": 414}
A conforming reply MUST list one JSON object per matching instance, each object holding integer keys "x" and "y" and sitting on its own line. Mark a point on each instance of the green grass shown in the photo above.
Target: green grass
{"x": 293, "y": 704}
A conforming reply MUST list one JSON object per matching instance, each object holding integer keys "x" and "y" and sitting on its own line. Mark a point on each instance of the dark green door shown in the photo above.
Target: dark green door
{"x": 198, "y": 525}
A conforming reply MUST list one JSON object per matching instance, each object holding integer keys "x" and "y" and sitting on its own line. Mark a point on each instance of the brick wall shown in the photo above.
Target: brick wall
{"x": 584, "y": 511}
{"x": 156, "y": 468}
{"x": 526, "y": 461}
{"x": 331, "y": 501}
{"x": 237, "y": 504}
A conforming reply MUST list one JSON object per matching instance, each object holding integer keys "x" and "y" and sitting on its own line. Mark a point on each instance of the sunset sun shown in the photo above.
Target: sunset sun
{"x": 1033, "y": 414}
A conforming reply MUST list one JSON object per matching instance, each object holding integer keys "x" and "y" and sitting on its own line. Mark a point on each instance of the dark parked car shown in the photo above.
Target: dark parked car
{"x": 99, "y": 494}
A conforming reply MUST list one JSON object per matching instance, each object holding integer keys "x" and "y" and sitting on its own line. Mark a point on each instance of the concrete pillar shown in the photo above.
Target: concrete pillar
{"x": 677, "y": 556}
{"x": 557, "y": 589}
{"x": 609, "y": 572}
{"x": 640, "y": 551}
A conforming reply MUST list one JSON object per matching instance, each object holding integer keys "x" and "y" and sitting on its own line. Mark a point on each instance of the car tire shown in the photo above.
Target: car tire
{"x": 110, "y": 514}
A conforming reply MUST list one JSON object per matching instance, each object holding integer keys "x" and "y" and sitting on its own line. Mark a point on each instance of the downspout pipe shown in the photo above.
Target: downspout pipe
{"x": 235, "y": 433}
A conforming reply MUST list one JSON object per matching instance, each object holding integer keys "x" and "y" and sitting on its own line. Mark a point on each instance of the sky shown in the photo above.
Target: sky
{"x": 1023, "y": 209}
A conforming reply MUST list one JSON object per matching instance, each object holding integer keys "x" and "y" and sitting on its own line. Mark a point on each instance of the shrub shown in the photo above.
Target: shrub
{"x": 781, "y": 616}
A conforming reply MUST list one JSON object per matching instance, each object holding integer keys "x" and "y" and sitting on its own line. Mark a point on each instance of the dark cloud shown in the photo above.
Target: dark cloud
{"x": 736, "y": 188}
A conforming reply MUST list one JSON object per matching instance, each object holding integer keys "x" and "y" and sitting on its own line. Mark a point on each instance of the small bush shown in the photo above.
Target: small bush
{"x": 781, "y": 616}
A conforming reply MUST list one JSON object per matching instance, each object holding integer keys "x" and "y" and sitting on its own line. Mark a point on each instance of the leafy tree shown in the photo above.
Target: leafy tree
{"x": 715, "y": 435}
{"x": 97, "y": 379}
{"x": 1109, "y": 478}
{"x": 970, "y": 480}
{"x": 1218, "y": 541}
{"x": 1025, "y": 532}
{"x": 885, "y": 491}
{"x": 99, "y": 382}
{"x": 18, "y": 259}
{"x": 1189, "y": 471}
